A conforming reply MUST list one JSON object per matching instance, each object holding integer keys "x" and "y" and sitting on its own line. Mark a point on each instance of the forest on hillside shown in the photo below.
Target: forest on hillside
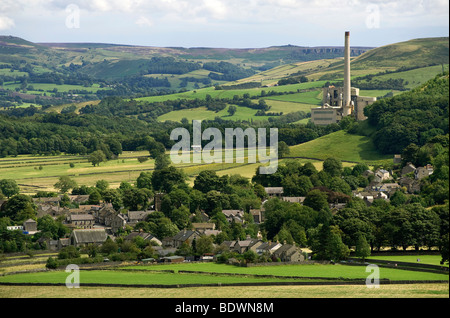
{"x": 414, "y": 117}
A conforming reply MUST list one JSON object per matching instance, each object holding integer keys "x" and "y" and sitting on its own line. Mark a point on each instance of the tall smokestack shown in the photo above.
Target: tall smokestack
{"x": 347, "y": 83}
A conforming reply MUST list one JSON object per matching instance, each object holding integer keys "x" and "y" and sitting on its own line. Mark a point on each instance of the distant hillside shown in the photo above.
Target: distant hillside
{"x": 50, "y": 74}
{"x": 401, "y": 56}
{"x": 413, "y": 53}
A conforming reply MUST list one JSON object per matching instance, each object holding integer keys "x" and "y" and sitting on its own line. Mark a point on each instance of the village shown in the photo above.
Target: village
{"x": 95, "y": 224}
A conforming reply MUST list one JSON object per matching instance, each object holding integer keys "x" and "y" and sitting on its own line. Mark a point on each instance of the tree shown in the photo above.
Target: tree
{"x": 362, "y": 248}
{"x": 398, "y": 198}
{"x": 97, "y": 157}
{"x": 94, "y": 197}
{"x": 207, "y": 180}
{"x": 9, "y": 187}
{"x": 232, "y": 110}
{"x": 65, "y": 183}
{"x": 144, "y": 180}
{"x": 161, "y": 161}
{"x": 102, "y": 185}
{"x": 68, "y": 252}
{"x": 165, "y": 179}
{"x": 333, "y": 167}
{"x": 444, "y": 249}
{"x": 19, "y": 208}
{"x": 316, "y": 200}
{"x": 283, "y": 149}
{"x": 204, "y": 244}
{"x": 109, "y": 247}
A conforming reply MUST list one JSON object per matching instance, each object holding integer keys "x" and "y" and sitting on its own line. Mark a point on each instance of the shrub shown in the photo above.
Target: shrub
{"x": 51, "y": 263}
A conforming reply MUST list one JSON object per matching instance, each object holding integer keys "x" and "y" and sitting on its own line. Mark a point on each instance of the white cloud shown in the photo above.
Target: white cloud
{"x": 144, "y": 22}
{"x": 6, "y": 23}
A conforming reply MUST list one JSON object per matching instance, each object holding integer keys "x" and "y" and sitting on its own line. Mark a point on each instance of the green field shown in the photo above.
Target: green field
{"x": 340, "y": 145}
{"x": 414, "y": 77}
{"x": 25, "y": 169}
{"x": 222, "y": 93}
{"x": 50, "y": 87}
{"x": 133, "y": 278}
{"x": 424, "y": 259}
{"x": 315, "y": 270}
{"x": 153, "y": 275}
{"x": 242, "y": 113}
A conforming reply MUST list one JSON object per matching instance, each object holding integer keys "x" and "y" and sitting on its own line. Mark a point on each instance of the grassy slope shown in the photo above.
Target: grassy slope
{"x": 340, "y": 145}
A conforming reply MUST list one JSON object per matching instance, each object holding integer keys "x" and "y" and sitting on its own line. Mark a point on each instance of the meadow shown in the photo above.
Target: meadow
{"x": 213, "y": 273}
{"x": 340, "y": 145}
{"x": 25, "y": 169}
{"x": 251, "y": 282}
{"x": 34, "y": 173}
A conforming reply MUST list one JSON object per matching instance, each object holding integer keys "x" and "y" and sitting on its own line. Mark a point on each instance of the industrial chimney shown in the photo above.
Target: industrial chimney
{"x": 346, "y": 111}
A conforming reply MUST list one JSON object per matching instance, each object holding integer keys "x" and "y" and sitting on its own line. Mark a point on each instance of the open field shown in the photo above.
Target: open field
{"x": 342, "y": 146}
{"x": 257, "y": 292}
{"x": 414, "y": 77}
{"x": 25, "y": 169}
{"x": 147, "y": 275}
{"x": 242, "y": 113}
{"x": 34, "y": 173}
{"x": 424, "y": 259}
{"x": 311, "y": 271}
{"x": 201, "y": 93}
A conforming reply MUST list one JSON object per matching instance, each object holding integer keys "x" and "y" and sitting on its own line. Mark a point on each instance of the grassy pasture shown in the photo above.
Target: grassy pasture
{"x": 242, "y": 113}
{"x": 424, "y": 259}
{"x": 154, "y": 275}
{"x": 201, "y": 93}
{"x": 340, "y": 145}
{"x": 25, "y": 168}
{"x": 49, "y": 87}
{"x": 250, "y": 292}
{"x": 315, "y": 270}
{"x": 415, "y": 77}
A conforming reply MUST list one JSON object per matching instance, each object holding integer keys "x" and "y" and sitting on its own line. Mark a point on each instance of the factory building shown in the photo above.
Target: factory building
{"x": 338, "y": 102}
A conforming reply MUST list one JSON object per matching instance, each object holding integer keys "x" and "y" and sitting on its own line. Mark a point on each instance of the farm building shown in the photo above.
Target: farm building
{"x": 84, "y": 237}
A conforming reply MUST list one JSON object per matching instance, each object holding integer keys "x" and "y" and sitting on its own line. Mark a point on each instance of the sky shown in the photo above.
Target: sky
{"x": 225, "y": 23}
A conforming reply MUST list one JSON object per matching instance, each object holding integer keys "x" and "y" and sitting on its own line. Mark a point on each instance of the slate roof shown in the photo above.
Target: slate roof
{"x": 184, "y": 235}
{"x": 89, "y": 236}
{"x": 82, "y": 217}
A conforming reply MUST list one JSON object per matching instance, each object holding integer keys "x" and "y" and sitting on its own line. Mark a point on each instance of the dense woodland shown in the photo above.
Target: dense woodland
{"x": 414, "y": 117}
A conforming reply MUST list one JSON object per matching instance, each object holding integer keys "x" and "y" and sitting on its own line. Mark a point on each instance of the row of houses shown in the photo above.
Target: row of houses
{"x": 380, "y": 188}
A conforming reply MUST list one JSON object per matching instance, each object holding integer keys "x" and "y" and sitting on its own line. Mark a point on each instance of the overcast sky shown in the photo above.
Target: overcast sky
{"x": 224, "y": 23}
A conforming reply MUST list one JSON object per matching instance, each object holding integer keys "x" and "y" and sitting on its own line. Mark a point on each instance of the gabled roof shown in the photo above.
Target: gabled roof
{"x": 145, "y": 236}
{"x": 184, "y": 235}
{"x": 89, "y": 236}
{"x": 82, "y": 217}
{"x": 232, "y": 212}
{"x": 268, "y": 245}
{"x": 285, "y": 248}
{"x": 248, "y": 242}
{"x": 137, "y": 215}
